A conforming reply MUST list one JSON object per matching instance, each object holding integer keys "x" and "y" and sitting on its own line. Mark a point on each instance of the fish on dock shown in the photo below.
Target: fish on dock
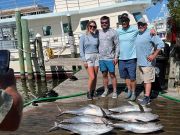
{"x": 139, "y": 127}
{"x": 84, "y": 128}
{"x": 87, "y": 110}
{"x": 134, "y": 116}
{"x": 86, "y": 119}
{"x": 129, "y": 108}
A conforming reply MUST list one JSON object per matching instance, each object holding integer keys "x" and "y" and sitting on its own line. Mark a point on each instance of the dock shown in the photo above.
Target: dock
{"x": 37, "y": 120}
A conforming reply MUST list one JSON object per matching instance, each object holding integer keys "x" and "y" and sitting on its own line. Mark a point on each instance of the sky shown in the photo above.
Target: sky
{"x": 153, "y": 12}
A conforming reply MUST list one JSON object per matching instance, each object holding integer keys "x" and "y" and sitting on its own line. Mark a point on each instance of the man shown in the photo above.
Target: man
{"x": 10, "y": 102}
{"x": 127, "y": 57}
{"x": 108, "y": 54}
{"x": 147, "y": 49}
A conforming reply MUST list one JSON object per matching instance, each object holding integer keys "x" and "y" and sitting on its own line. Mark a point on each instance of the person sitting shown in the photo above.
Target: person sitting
{"x": 11, "y": 104}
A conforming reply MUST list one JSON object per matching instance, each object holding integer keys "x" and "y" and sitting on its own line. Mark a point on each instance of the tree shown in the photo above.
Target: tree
{"x": 174, "y": 9}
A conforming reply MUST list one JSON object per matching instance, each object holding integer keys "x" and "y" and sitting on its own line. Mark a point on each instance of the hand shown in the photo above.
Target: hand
{"x": 85, "y": 65}
{"x": 151, "y": 57}
{"x": 7, "y": 79}
{"x": 115, "y": 61}
{"x": 153, "y": 32}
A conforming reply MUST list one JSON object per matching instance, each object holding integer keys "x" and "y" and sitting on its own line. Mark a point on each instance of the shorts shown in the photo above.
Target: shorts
{"x": 106, "y": 66}
{"x": 92, "y": 59}
{"x": 147, "y": 74}
{"x": 127, "y": 69}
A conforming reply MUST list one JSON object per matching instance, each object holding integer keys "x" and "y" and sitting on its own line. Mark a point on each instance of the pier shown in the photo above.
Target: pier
{"x": 38, "y": 119}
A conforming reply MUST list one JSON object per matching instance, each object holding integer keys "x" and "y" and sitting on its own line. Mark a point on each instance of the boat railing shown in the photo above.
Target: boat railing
{"x": 8, "y": 44}
{"x": 71, "y": 5}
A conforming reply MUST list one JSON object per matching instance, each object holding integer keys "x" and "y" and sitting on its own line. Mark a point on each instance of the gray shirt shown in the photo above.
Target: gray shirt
{"x": 88, "y": 45}
{"x": 6, "y": 102}
{"x": 108, "y": 44}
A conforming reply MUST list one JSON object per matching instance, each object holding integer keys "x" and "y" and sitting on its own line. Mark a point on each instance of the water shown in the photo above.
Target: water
{"x": 31, "y": 89}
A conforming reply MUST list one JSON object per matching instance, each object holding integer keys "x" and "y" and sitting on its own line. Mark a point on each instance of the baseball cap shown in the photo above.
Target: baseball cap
{"x": 142, "y": 20}
{"x": 124, "y": 17}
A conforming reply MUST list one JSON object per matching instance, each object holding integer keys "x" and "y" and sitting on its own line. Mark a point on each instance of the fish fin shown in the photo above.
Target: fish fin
{"x": 55, "y": 127}
{"x": 61, "y": 112}
{"x": 134, "y": 103}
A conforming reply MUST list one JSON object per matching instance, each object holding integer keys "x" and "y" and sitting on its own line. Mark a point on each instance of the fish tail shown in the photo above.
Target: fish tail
{"x": 55, "y": 127}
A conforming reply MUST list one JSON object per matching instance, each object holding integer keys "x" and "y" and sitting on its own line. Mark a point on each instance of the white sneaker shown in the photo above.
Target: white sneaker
{"x": 114, "y": 95}
{"x": 104, "y": 93}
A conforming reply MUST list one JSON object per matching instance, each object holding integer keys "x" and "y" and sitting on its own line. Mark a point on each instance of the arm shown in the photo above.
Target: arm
{"x": 159, "y": 45}
{"x": 12, "y": 120}
{"x": 116, "y": 43}
{"x": 82, "y": 52}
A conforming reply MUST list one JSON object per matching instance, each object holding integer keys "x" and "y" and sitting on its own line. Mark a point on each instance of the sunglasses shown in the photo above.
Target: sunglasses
{"x": 141, "y": 24}
{"x": 91, "y": 26}
{"x": 104, "y": 22}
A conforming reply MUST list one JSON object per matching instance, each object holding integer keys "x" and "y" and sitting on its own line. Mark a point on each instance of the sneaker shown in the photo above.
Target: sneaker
{"x": 89, "y": 97}
{"x": 94, "y": 93}
{"x": 146, "y": 100}
{"x": 114, "y": 95}
{"x": 133, "y": 97}
{"x": 128, "y": 94}
{"x": 104, "y": 93}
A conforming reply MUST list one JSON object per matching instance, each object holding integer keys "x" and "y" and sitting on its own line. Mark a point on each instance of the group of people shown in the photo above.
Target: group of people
{"x": 129, "y": 46}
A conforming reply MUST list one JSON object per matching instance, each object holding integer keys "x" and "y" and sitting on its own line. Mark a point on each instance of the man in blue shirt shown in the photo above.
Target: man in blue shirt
{"x": 127, "y": 57}
{"x": 147, "y": 49}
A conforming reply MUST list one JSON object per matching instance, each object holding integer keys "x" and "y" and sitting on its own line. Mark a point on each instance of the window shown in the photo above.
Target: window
{"x": 65, "y": 27}
{"x": 84, "y": 24}
{"x": 137, "y": 16}
{"x": 47, "y": 30}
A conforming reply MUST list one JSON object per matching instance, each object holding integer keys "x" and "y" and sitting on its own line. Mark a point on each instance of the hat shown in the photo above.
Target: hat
{"x": 142, "y": 20}
{"x": 6, "y": 102}
{"x": 124, "y": 17}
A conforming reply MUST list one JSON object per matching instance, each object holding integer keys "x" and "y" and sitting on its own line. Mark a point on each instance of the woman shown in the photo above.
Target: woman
{"x": 90, "y": 56}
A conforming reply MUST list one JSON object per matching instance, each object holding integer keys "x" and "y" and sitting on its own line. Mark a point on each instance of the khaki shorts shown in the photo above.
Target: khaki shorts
{"x": 147, "y": 74}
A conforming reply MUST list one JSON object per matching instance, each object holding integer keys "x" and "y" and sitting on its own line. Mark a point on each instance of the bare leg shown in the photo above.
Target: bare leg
{"x": 114, "y": 81}
{"x": 105, "y": 80}
{"x": 128, "y": 83}
{"x": 91, "y": 78}
{"x": 147, "y": 87}
{"x": 95, "y": 75}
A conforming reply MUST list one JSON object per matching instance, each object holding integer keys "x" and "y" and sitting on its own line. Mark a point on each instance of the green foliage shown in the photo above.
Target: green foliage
{"x": 174, "y": 9}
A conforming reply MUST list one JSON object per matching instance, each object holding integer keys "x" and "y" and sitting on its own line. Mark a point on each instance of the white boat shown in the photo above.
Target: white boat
{"x": 53, "y": 27}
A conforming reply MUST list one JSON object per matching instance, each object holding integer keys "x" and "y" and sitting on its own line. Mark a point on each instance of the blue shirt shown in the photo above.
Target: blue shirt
{"x": 108, "y": 44}
{"x": 126, "y": 42}
{"x": 88, "y": 45}
{"x": 145, "y": 45}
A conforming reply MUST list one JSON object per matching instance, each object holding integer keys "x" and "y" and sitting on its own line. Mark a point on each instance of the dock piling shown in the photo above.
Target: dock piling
{"x": 20, "y": 44}
{"x": 40, "y": 57}
{"x": 26, "y": 43}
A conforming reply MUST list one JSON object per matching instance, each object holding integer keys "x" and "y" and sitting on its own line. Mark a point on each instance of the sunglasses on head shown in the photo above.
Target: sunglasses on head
{"x": 91, "y": 26}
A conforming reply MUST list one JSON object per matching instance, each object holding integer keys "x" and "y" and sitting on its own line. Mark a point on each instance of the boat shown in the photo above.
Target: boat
{"x": 53, "y": 26}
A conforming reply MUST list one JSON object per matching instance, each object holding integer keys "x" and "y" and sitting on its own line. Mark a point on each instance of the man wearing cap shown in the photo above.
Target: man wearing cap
{"x": 147, "y": 49}
{"x": 127, "y": 57}
{"x": 10, "y": 103}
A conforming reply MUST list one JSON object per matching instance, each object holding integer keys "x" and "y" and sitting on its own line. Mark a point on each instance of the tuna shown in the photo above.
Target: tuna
{"x": 88, "y": 110}
{"x": 134, "y": 116}
{"x": 84, "y": 128}
{"x": 129, "y": 108}
{"x": 139, "y": 127}
{"x": 86, "y": 119}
